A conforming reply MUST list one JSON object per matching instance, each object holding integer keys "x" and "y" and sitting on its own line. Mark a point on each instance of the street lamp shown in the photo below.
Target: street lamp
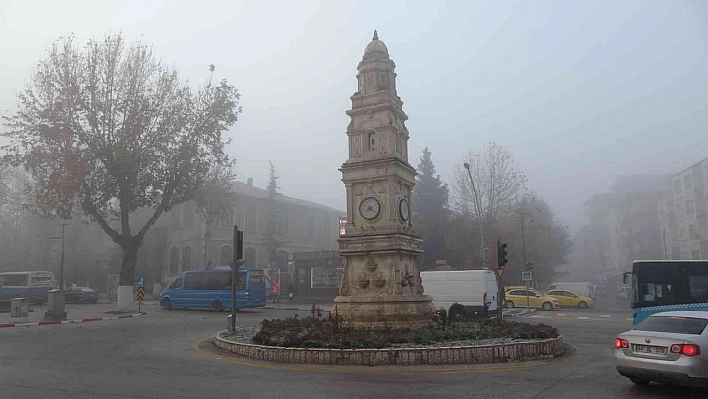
{"x": 61, "y": 265}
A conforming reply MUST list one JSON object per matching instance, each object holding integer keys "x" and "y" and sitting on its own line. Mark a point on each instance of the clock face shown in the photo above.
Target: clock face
{"x": 369, "y": 208}
{"x": 404, "y": 210}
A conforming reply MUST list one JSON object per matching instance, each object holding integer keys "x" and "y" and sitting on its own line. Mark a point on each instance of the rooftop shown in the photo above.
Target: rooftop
{"x": 255, "y": 192}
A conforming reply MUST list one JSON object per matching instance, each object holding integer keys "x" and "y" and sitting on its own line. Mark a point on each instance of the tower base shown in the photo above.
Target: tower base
{"x": 394, "y": 311}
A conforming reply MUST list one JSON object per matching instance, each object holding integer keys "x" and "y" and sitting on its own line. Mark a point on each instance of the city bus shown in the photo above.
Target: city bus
{"x": 211, "y": 289}
{"x": 664, "y": 285}
{"x": 33, "y": 285}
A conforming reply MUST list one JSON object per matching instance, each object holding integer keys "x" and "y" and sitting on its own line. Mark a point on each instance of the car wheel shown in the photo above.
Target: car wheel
{"x": 217, "y": 306}
{"x": 166, "y": 304}
{"x": 510, "y": 304}
{"x": 582, "y": 305}
{"x": 639, "y": 381}
{"x": 457, "y": 312}
{"x": 547, "y": 306}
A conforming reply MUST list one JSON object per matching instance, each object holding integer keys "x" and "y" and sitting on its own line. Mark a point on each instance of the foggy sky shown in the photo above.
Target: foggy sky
{"x": 579, "y": 92}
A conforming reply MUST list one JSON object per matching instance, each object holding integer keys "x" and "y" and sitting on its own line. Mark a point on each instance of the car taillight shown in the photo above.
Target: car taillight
{"x": 621, "y": 343}
{"x": 685, "y": 349}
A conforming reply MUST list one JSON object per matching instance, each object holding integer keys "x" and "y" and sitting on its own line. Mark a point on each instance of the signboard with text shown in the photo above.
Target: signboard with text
{"x": 526, "y": 276}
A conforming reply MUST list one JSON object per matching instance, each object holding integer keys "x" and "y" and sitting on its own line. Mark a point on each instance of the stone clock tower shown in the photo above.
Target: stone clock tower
{"x": 381, "y": 283}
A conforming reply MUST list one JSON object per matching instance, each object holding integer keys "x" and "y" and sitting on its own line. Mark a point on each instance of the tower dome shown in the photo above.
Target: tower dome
{"x": 375, "y": 48}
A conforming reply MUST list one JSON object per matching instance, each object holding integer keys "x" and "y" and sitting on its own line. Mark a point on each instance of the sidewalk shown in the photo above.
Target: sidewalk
{"x": 85, "y": 312}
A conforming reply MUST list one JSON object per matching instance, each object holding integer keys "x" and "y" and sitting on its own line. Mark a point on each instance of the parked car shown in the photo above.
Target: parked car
{"x": 666, "y": 347}
{"x": 518, "y": 298}
{"x": 567, "y": 298}
{"x": 624, "y": 292}
{"x": 80, "y": 295}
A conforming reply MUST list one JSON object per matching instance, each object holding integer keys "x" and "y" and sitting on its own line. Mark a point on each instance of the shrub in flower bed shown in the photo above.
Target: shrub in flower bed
{"x": 330, "y": 332}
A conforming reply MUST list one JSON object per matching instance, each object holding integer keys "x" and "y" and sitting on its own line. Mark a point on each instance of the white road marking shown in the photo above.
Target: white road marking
{"x": 629, "y": 318}
{"x": 605, "y": 315}
{"x": 538, "y": 317}
{"x": 583, "y": 317}
{"x": 561, "y": 314}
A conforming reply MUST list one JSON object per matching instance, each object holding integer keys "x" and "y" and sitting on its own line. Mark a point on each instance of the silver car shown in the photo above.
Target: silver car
{"x": 667, "y": 347}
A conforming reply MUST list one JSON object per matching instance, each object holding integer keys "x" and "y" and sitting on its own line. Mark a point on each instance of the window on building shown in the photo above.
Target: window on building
{"x": 225, "y": 221}
{"x": 249, "y": 255}
{"x": 677, "y": 186}
{"x": 679, "y": 210}
{"x": 187, "y": 258}
{"x": 696, "y": 255}
{"x": 250, "y": 219}
{"x": 188, "y": 216}
{"x": 174, "y": 261}
{"x": 693, "y": 232}
{"x": 684, "y": 233}
{"x": 225, "y": 255}
{"x": 687, "y": 181}
{"x": 283, "y": 222}
{"x": 311, "y": 229}
{"x": 372, "y": 141}
{"x": 689, "y": 207}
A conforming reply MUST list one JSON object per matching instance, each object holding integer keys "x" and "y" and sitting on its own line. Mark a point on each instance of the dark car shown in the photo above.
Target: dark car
{"x": 81, "y": 295}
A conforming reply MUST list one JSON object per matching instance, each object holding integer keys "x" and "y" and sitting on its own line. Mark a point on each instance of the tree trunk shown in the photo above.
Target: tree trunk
{"x": 130, "y": 246}
{"x": 130, "y": 260}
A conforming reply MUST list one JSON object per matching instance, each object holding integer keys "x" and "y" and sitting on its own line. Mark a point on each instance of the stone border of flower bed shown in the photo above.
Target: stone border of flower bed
{"x": 512, "y": 352}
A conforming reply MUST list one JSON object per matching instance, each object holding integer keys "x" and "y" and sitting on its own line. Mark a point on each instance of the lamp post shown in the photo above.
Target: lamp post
{"x": 478, "y": 211}
{"x": 61, "y": 265}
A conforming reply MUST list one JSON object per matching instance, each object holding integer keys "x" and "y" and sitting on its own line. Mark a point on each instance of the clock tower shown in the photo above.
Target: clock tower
{"x": 381, "y": 283}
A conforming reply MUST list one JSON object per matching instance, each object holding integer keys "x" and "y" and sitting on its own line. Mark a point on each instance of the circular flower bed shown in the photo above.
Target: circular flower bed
{"x": 332, "y": 333}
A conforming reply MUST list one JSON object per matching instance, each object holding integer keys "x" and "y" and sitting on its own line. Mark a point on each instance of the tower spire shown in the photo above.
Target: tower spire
{"x": 376, "y": 35}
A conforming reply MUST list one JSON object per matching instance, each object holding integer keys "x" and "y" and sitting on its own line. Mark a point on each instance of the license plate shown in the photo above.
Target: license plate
{"x": 652, "y": 350}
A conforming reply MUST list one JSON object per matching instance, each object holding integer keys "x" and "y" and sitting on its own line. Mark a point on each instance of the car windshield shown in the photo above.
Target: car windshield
{"x": 673, "y": 324}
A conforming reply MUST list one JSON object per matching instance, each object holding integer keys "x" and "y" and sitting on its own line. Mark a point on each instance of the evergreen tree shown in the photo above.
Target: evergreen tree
{"x": 270, "y": 239}
{"x": 430, "y": 213}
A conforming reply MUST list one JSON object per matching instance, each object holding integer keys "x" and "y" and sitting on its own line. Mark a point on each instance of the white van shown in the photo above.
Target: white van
{"x": 582, "y": 289}
{"x": 462, "y": 293}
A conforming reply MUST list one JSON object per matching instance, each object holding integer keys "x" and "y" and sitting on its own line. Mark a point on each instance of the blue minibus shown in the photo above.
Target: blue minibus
{"x": 31, "y": 284}
{"x": 211, "y": 289}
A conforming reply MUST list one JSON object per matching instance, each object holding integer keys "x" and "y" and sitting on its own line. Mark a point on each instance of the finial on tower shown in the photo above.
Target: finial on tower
{"x": 376, "y": 35}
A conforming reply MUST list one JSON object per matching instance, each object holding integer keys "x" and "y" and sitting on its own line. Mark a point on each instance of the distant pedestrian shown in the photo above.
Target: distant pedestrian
{"x": 276, "y": 291}
{"x": 292, "y": 292}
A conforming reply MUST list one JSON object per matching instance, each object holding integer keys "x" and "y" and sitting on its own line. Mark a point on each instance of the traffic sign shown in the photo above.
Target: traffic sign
{"x": 141, "y": 282}
{"x": 526, "y": 276}
{"x": 500, "y": 272}
{"x": 291, "y": 259}
{"x": 141, "y": 293}
{"x": 441, "y": 262}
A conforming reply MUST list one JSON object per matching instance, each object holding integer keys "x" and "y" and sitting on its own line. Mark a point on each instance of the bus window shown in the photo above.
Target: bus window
{"x": 698, "y": 286}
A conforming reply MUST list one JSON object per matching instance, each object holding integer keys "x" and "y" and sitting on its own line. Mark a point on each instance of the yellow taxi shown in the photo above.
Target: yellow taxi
{"x": 567, "y": 298}
{"x": 518, "y": 296}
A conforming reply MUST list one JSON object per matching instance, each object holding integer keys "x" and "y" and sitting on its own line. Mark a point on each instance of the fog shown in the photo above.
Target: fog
{"x": 579, "y": 92}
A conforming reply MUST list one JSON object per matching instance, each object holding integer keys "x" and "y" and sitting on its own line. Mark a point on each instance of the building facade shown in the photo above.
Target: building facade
{"x": 302, "y": 226}
{"x": 690, "y": 204}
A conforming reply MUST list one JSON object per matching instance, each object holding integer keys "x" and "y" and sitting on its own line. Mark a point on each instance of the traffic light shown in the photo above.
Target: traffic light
{"x": 501, "y": 254}
{"x": 529, "y": 266}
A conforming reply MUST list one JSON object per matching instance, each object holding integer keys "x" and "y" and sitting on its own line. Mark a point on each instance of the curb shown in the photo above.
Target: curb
{"x": 523, "y": 313}
{"x": 501, "y": 353}
{"x": 86, "y": 320}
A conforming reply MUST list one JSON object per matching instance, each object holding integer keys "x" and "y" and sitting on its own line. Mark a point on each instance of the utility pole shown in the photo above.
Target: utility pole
{"x": 478, "y": 211}
{"x": 663, "y": 234}
{"x": 523, "y": 250}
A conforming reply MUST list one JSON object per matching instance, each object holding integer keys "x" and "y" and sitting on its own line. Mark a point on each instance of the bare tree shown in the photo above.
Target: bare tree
{"x": 497, "y": 180}
{"x": 108, "y": 126}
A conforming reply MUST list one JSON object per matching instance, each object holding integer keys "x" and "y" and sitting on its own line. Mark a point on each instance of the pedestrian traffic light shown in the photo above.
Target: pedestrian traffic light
{"x": 529, "y": 266}
{"x": 501, "y": 254}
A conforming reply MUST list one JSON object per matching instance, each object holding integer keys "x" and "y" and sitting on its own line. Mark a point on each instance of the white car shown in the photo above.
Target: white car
{"x": 668, "y": 347}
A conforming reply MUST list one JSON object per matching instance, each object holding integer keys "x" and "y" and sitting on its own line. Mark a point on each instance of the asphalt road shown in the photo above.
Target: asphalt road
{"x": 159, "y": 356}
